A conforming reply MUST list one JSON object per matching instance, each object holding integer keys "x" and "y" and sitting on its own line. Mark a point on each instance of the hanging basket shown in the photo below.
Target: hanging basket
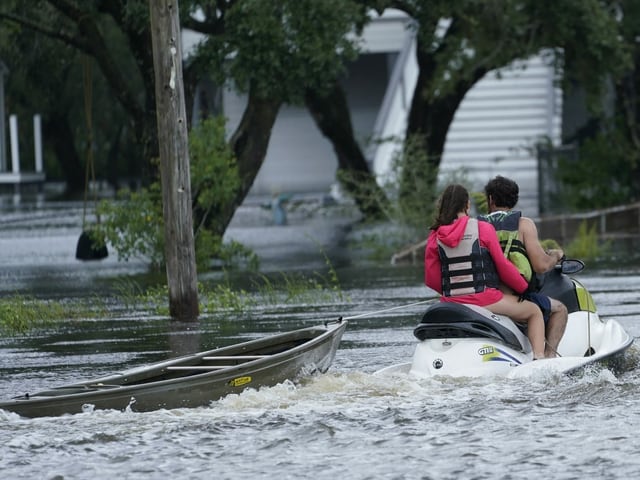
{"x": 90, "y": 248}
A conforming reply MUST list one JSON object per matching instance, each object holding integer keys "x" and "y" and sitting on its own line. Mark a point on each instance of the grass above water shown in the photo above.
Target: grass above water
{"x": 20, "y": 314}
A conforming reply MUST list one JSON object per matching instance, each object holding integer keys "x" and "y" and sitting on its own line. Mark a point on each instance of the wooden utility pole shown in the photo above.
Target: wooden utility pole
{"x": 174, "y": 160}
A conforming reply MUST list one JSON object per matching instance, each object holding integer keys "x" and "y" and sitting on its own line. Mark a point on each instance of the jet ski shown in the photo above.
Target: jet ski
{"x": 461, "y": 340}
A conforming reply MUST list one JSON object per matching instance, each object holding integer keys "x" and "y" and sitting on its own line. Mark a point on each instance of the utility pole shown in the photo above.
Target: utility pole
{"x": 174, "y": 160}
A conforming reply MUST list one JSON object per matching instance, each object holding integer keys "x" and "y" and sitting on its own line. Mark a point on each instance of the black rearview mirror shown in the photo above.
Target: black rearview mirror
{"x": 572, "y": 266}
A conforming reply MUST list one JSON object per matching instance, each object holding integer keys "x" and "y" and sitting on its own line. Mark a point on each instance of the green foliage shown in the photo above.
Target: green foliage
{"x": 20, "y": 314}
{"x": 605, "y": 174}
{"x": 460, "y": 41}
{"x": 214, "y": 173}
{"x": 586, "y": 245}
{"x": 287, "y": 289}
{"x": 224, "y": 297}
{"x": 479, "y": 199}
{"x": 134, "y": 224}
{"x": 332, "y": 280}
{"x": 45, "y": 77}
{"x": 215, "y": 181}
{"x": 411, "y": 188}
{"x": 417, "y": 176}
{"x": 282, "y": 48}
{"x": 581, "y": 36}
{"x": 408, "y": 191}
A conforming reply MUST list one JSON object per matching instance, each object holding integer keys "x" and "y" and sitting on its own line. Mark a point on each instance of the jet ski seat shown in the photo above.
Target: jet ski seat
{"x": 455, "y": 320}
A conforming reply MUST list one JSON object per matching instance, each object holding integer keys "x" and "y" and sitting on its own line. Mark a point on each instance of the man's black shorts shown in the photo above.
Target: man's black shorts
{"x": 542, "y": 301}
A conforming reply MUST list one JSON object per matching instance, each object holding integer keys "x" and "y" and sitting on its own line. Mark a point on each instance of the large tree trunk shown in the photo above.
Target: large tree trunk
{"x": 249, "y": 142}
{"x": 174, "y": 161}
{"x": 332, "y": 116}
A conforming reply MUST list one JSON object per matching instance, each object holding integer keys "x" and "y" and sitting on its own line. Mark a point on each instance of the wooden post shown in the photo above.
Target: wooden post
{"x": 15, "y": 146}
{"x": 3, "y": 138}
{"x": 174, "y": 160}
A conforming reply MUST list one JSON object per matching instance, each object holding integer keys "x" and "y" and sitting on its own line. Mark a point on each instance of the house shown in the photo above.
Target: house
{"x": 11, "y": 172}
{"x": 495, "y": 130}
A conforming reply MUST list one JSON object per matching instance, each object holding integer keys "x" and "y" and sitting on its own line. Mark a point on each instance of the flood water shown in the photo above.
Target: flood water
{"x": 347, "y": 424}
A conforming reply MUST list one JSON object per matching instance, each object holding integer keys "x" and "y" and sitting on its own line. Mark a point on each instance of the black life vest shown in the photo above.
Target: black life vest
{"x": 467, "y": 268}
{"x": 506, "y": 225}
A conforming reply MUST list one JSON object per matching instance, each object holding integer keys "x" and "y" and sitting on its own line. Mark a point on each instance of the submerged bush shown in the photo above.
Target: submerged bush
{"x": 134, "y": 225}
{"x": 20, "y": 314}
{"x": 586, "y": 245}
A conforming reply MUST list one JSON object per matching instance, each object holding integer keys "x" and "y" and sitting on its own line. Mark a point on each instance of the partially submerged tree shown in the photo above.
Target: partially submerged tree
{"x": 330, "y": 111}
{"x": 301, "y": 62}
{"x": 460, "y": 41}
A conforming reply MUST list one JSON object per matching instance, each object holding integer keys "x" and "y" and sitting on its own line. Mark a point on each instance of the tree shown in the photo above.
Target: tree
{"x": 459, "y": 41}
{"x": 276, "y": 54}
{"x": 331, "y": 113}
{"x": 627, "y": 106}
{"x": 115, "y": 34}
{"x": 608, "y": 143}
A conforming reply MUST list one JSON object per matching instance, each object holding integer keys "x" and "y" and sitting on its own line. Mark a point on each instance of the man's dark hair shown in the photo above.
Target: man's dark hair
{"x": 503, "y": 191}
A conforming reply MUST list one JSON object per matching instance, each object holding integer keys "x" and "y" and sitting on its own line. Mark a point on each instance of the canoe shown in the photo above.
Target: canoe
{"x": 193, "y": 380}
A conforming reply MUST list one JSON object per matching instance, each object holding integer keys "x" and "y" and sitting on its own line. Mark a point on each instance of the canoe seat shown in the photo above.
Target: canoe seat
{"x": 235, "y": 357}
{"x": 199, "y": 367}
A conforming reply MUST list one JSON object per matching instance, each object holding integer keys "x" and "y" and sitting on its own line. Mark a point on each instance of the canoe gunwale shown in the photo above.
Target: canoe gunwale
{"x": 310, "y": 345}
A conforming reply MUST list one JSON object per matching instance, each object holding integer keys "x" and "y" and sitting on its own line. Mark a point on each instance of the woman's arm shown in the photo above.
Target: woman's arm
{"x": 432, "y": 270}
{"x": 508, "y": 273}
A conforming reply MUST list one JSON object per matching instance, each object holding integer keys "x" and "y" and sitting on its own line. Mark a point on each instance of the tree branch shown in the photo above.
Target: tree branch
{"x": 98, "y": 49}
{"x": 31, "y": 25}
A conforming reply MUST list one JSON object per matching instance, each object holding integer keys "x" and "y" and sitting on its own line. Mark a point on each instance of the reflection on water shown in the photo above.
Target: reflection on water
{"x": 347, "y": 424}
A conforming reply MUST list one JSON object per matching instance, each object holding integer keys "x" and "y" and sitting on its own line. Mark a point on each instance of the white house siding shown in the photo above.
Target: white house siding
{"x": 391, "y": 122}
{"x": 299, "y": 158}
{"x": 498, "y": 124}
{"x": 495, "y": 129}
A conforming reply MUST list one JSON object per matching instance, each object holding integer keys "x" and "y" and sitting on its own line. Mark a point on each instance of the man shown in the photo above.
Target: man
{"x": 519, "y": 240}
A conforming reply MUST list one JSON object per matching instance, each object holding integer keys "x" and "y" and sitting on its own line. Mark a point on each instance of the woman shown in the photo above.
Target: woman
{"x": 464, "y": 262}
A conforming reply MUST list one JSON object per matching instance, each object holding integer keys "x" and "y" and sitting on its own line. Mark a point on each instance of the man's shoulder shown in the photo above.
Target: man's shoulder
{"x": 527, "y": 225}
{"x": 527, "y": 220}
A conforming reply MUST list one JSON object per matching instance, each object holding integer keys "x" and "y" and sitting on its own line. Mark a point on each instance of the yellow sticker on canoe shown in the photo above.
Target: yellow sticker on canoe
{"x": 238, "y": 382}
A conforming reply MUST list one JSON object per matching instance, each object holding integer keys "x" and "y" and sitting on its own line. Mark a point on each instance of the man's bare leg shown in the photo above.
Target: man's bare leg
{"x": 555, "y": 327}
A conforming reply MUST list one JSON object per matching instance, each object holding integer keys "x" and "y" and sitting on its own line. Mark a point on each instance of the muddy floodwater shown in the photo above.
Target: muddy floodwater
{"x": 346, "y": 424}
